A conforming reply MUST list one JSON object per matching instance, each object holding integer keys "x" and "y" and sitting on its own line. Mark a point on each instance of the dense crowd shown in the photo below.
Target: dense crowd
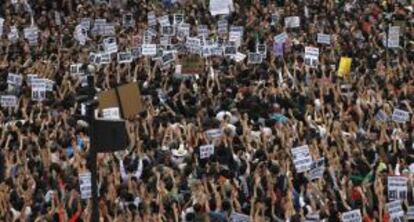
{"x": 261, "y": 134}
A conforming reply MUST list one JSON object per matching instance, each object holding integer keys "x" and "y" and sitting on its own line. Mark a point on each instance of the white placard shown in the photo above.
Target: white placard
{"x": 29, "y": 78}
{"x": 220, "y": 7}
{"x": 301, "y": 158}
{"x": 49, "y": 85}
{"x": 324, "y": 38}
{"x": 178, "y": 19}
{"x": 149, "y": 49}
{"x": 410, "y": 213}
{"x": 75, "y": 69}
{"x": 13, "y": 35}
{"x": 124, "y": 57}
{"x": 213, "y": 133}
{"x": 80, "y": 34}
{"x": 381, "y": 116}
{"x": 164, "y": 20}
{"x": 183, "y": 30}
{"x": 167, "y": 58}
{"x": 230, "y": 50}
{"x": 397, "y": 187}
{"x": 311, "y": 56}
{"x": 1, "y": 26}
{"x": 394, "y": 209}
{"x": 317, "y": 169}
{"x": 128, "y": 20}
{"x": 85, "y": 185}
{"x": 110, "y": 45}
{"x": 262, "y": 49}
{"x": 193, "y": 45}
{"x": 105, "y": 58}
{"x": 394, "y": 37}
{"x": 235, "y": 37}
{"x": 206, "y": 151}
{"x": 167, "y": 30}
{"x": 292, "y": 22}
{"x": 151, "y": 19}
{"x": 281, "y": 38}
{"x": 85, "y": 23}
{"x": 352, "y": 216}
{"x": 8, "y": 101}
{"x": 14, "y": 79}
{"x": 111, "y": 113}
{"x": 165, "y": 40}
{"x": 239, "y": 57}
{"x": 400, "y": 116}
{"x": 223, "y": 26}
{"x": 254, "y": 58}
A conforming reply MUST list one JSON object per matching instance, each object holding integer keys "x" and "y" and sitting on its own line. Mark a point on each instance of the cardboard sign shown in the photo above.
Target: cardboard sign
{"x": 324, "y": 38}
{"x": 220, "y": 7}
{"x": 111, "y": 113}
{"x": 301, "y": 158}
{"x": 292, "y": 22}
{"x": 400, "y": 116}
{"x": 281, "y": 38}
{"x": 394, "y": 209}
{"x": 397, "y": 187}
{"x": 311, "y": 56}
{"x": 344, "y": 67}
{"x": 352, "y": 216}
{"x": 124, "y": 57}
{"x": 149, "y": 49}
{"x": 254, "y": 58}
{"x": 8, "y": 101}
{"x": 85, "y": 185}
{"x": 206, "y": 151}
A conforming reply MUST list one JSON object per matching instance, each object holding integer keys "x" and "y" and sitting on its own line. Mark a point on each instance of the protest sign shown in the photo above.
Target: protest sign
{"x": 213, "y": 133}
{"x": 278, "y": 49}
{"x": 128, "y": 20}
{"x": 292, "y": 22}
{"x": 183, "y": 30}
{"x": 1, "y": 26}
{"x": 230, "y": 50}
{"x": 110, "y": 45}
{"x": 13, "y": 35}
{"x": 85, "y": 23}
{"x": 281, "y": 38}
{"x": 38, "y": 90}
{"x": 312, "y": 217}
{"x": 178, "y": 19}
{"x": 80, "y": 34}
{"x": 8, "y": 101}
{"x": 151, "y": 19}
{"x": 393, "y": 37}
{"x": 192, "y": 65}
{"x": 352, "y": 216}
{"x": 206, "y": 151}
{"x": 394, "y": 209}
{"x": 32, "y": 35}
{"x": 324, "y": 38}
{"x": 397, "y": 187}
{"x": 410, "y": 213}
{"x": 167, "y": 58}
{"x": 301, "y": 158}
{"x": 254, "y": 58}
{"x": 220, "y": 7}
{"x": 239, "y": 57}
{"x": 85, "y": 185}
{"x": 49, "y": 84}
{"x": 344, "y": 67}
{"x": 105, "y": 58}
{"x": 202, "y": 30}
{"x": 381, "y": 116}
{"x": 124, "y": 57}
{"x": 164, "y": 20}
{"x": 14, "y": 79}
{"x": 167, "y": 30}
{"x": 76, "y": 69}
{"x": 317, "y": 169}
{"x": 238, "y": 217}
{"x": 136, "y": 52}
{"x": 111, "y": 113}
{"x": 262, "y": 49}
{"x": 29, "y": 78}
{"x": 223, "y": 26}
{"x": 149, "y": 49}
{"x": 311, "y": 56}
{"x": 400, "y": 116}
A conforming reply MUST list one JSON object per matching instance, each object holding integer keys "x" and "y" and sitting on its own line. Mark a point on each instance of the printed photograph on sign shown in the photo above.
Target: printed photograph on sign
{"x": 136, "y": 52}
{"x": 167, "y": 30}
{"x": 178, "y": 19}
{"x": 167, "y": 58}
{"x": 230, "y": 50}
{"x": 254, "y": 58}
{"x": 149, "y": 49}
{"x": 105, "y": 58}
{"x": 124, "y": 57}
{"x": 262, "y": 49}
{"x": 128, "y": 20}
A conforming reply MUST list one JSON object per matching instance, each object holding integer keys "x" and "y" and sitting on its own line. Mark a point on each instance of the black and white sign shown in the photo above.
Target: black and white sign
{"x": 254, "y": 58}
{"x": 80, "y": 34}
{"x": 164, "y": 20}
{"x": 167, "y": 30}
{"x": 124, "y": 57}
{"x": 32, "y": 35}
{"x": 220, "y": 7}
{"x": 178, "y": 19}
{"x": 14, "y": 79}
{"x": 38, "y": 90}
{"x": 149, "y": 49}
{"x": 400, "y": 116}
{"x": 1, "y": 26}
{"x": 105, "y": 58}
{"x": 223, "y": 26}
{"x": 317, "y": 169}
{"x": 202, "y": 30}
{"x": 85, "y": 23}
{"x": 76, "y": 69}
{"x": 136, "y": 52}
{"x": 151, "y": 19}
{"x": 230, "y": 50}
{"x": 397, "y": 187}
{"x": 206, "y": 151}
{"x": 85, "y": 185}
{"x": 110, "y": 45}
{"x": 262, "y": 49}
{"x": 394, "y": 37}
{"x": 324, "y": 38}
{"x": 301, "y": 158}
{"x": 352, "y": 216}
{"x": 213, "y": 133}
{"x": 167, "y": 58}
{"x": 292, "y": 22}
{"x": 394, "y": 209}
{"x": 111, "y": 113}
{"x": 29, "y": 78}
{"x": 311, "y": 56}
{"x": 13, "y": 35}
{"x": 128, "y": 20}
{"x": 8, "y": 101}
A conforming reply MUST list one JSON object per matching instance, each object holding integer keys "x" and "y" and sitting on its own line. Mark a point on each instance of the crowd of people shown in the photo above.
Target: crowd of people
{"x": 255, "y": 132}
